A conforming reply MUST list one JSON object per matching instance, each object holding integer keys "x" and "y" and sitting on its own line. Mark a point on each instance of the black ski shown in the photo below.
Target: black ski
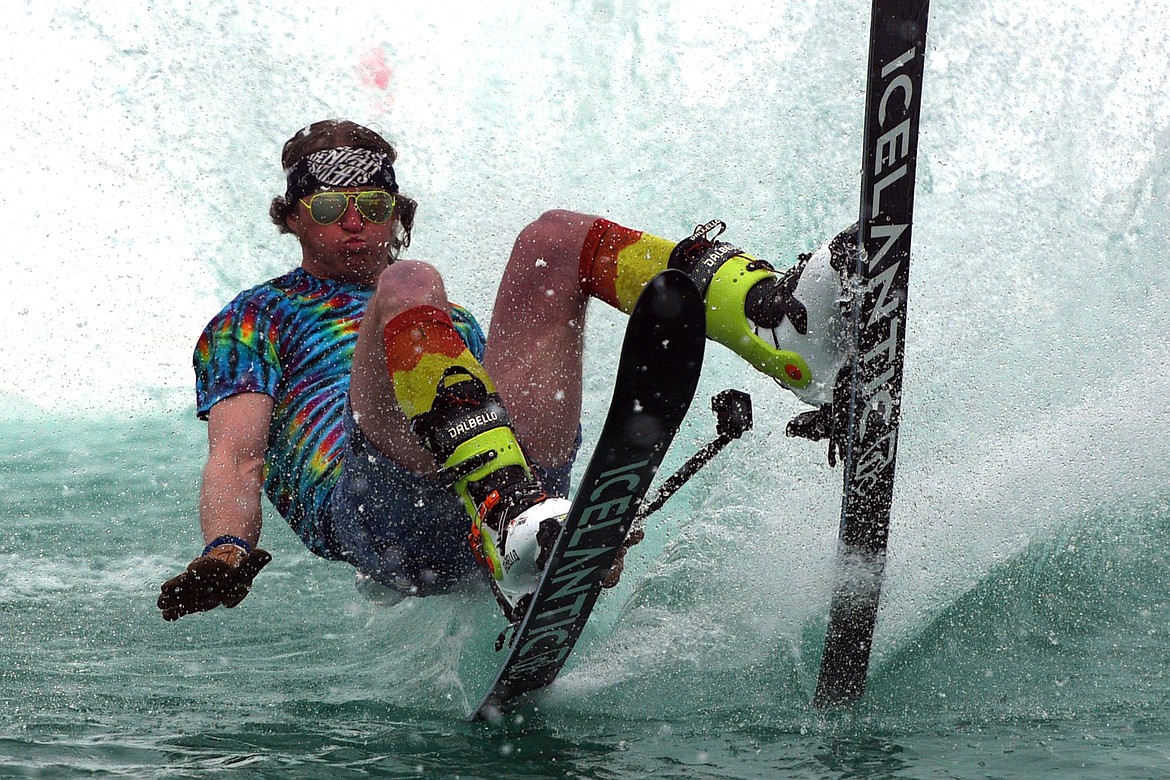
{"x": 657, "y": 374}
{"x": 878, "y": 327}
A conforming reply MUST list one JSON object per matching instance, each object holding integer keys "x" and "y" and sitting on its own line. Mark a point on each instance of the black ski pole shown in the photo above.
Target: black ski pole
{"x": 733, "y": 417}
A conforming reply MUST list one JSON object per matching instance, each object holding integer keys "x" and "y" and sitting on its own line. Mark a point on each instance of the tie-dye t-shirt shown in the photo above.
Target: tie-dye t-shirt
{"x": 293, "y": 338}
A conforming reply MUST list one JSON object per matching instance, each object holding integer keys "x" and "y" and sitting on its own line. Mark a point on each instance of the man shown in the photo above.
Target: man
{"x": 382, "y": 424}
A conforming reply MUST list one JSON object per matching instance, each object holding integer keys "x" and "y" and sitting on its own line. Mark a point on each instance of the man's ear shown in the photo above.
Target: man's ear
{"x": 293, "y": 222}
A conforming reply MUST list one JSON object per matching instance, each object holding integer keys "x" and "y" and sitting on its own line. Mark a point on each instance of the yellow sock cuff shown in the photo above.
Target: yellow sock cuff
{"x": 421, "y": 345}
{"x": 617, "y": 262}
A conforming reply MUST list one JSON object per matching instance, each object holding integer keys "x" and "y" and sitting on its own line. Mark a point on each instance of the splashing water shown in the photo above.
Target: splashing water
{"x": 1024, "y": 608}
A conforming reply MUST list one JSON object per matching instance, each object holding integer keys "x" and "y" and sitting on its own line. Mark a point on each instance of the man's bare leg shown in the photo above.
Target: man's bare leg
{"x": 537, "y": 340}
{"x": 534, "y": 351}
{"x": 404, "y": 285}
{"x": 423, "y": 399}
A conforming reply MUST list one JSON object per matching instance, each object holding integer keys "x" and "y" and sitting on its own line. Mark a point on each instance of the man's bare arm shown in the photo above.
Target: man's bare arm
{"x": 233, "y": 479}
{"x": 229, "y": 511}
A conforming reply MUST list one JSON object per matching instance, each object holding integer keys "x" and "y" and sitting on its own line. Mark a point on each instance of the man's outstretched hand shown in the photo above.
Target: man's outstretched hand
{"x": 223, "y": 575}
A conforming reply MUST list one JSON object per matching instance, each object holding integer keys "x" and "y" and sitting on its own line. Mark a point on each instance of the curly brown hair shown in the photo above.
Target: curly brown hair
{"x": 330, "y": 134}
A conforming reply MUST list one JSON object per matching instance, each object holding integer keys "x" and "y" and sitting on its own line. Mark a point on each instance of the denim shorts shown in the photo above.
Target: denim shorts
{"x": 406, "y": 531}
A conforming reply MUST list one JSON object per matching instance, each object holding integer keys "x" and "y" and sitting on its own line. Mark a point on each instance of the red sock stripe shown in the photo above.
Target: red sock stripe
{"x": 599, "y": 253}
{"x": 418, "y": 331}
{"x": 588, "y": 252}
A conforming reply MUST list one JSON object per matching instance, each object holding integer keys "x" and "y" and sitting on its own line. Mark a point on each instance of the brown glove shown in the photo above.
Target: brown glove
{"x": 619, "y": 563}
{"x": 223, "y": 574}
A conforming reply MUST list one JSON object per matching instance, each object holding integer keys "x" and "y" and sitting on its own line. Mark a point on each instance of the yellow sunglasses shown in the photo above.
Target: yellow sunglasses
{"x": 327, "y": 207}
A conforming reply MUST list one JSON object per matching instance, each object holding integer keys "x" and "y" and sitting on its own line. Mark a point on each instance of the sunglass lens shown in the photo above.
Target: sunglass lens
{"x": 376, "y": 206}
{"x": 327, "y": 207}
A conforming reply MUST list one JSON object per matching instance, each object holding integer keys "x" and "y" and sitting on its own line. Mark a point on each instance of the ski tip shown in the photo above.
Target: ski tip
{"x": 672, "y": 295}
{"x": 673, "y": 281}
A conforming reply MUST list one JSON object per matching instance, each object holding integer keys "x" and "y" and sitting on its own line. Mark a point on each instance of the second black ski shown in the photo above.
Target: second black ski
{"x": 880, "y": 278}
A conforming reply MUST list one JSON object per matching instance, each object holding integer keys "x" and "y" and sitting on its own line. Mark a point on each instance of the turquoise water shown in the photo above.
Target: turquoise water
{"x": 1023, "y": 626}
{"x": 1054, "y": 662}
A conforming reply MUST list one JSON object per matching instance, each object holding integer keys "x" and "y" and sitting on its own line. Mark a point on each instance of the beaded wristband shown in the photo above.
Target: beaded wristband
{"x": 227, "y": 539}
